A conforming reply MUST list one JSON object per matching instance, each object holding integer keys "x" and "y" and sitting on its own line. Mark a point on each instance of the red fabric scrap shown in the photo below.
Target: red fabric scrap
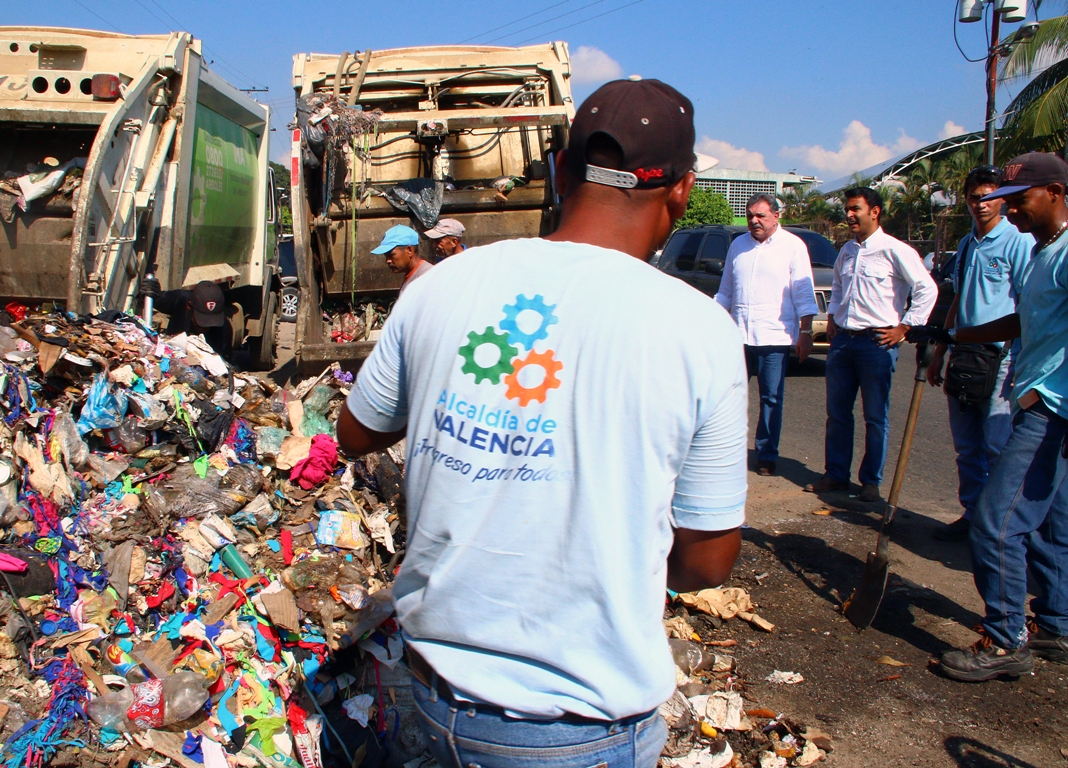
{"x": 322, "y": 458}
{"x": 166, "y": 589}
{"x": 287, "y": 547}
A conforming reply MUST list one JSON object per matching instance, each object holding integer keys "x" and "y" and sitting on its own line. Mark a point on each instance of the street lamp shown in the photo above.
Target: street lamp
{"x": 1011, "y": 11}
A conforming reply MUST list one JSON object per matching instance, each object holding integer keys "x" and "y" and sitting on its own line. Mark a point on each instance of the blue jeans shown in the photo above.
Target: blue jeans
{"x": 1022, "y": 519}
{"x": 768, "y": 364}
{"x": 461, "y": 735}
{"x": 979, "y": 433}
{"x": 858, "y": 362}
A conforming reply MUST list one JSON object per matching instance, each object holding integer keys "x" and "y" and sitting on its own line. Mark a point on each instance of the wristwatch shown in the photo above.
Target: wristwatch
{"x": 805, "y": 333}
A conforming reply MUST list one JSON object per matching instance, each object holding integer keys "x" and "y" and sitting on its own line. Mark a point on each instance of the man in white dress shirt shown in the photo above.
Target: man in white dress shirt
{"x": 873, "y": 277}
{"x": 767, "y": 288}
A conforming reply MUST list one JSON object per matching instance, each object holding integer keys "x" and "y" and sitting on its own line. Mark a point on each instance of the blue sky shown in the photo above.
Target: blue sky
{"x": 822, "y": 87}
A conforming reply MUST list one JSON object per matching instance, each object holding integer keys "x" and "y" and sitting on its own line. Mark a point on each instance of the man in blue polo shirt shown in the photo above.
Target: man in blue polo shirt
{"x": 1021, "y": 520}
{"x": 988, "y": 278}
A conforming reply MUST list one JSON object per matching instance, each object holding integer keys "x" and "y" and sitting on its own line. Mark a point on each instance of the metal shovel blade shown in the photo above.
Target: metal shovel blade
{"x": 861, "y": 608}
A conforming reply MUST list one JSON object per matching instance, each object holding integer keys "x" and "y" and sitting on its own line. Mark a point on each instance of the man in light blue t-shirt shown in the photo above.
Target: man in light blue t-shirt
{"x": 565, "y": 464}
{"x": 1021, "y": 520}
{"x": 988, "y": 278}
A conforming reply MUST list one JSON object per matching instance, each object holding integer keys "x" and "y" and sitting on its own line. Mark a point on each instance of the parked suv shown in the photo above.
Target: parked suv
{"x": 696, "y": 255}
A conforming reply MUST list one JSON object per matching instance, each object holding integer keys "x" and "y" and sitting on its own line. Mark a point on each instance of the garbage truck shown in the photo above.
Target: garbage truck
{"x": 408, "y": 136}
{"x": 125, "y": 155}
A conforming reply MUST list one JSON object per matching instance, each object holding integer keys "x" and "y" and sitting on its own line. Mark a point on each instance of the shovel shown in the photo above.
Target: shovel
{"x": 863, "y": 604}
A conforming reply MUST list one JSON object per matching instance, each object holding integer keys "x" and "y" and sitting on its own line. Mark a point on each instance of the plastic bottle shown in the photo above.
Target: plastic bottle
{"x": 186, "y": 375}
{"x": 690, "y": 657}
{"x": 151, "y": 704}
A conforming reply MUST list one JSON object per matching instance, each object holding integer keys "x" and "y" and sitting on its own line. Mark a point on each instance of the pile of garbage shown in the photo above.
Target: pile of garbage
{"x": 49, "y": 181}
{"x": 359, "y": 321}
{"x": 712, "y": 718}
{"x": 198, "y": 577}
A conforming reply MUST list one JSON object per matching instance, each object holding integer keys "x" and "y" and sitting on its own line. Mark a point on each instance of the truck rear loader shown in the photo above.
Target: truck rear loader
{"x": 405, "y": 136}
{"x": 122, "y": 155}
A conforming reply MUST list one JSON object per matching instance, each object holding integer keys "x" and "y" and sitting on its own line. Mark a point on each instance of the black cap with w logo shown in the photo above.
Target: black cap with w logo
{"x": 1035, "y": 169}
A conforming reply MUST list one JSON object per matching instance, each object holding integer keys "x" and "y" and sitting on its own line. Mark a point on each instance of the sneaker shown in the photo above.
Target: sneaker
{"x": 1046, "y": 645}
{"x": 826, "y": 484}
{"x": 869, "y": 492}
{"x": 986, "y": 660}
{"x": 766, "y": 468}
{"x": 955, "y": 531}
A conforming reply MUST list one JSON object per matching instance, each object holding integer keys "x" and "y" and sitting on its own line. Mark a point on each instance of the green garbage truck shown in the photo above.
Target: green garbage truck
{"x": 126, "y": 155}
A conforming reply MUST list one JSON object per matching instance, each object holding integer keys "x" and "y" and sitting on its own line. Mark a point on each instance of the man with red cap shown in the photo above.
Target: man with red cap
{"x": 201, "y": 310}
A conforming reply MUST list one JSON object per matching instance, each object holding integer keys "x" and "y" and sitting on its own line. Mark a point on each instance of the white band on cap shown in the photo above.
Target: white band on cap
{"x": 611, "y": 177}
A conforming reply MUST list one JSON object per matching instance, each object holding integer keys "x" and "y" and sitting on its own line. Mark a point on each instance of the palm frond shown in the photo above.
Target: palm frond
{"x": 1046, "y": 48}
{"x": 1038, "y": 117}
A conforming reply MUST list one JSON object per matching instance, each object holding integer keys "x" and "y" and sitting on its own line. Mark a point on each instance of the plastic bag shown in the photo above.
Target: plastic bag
{"x": 104, "y": 408}
{"x": 269, "y": 441}
{"x": 315, "y": 408}
{"x": 74, "y": 449}
{"x": 153, "y": 414}
{"x": 187, "y": 495}
{"x": 127, "y": 437}
{"x": 107, "y": 470}
{"x": 420, "y": 197}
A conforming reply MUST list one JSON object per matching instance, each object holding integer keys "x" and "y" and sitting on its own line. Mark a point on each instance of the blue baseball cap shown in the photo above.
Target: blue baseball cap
{"x": 398, "y": 235}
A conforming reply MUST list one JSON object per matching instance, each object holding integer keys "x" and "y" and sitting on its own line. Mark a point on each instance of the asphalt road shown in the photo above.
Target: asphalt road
{"x": 799, "y": 566}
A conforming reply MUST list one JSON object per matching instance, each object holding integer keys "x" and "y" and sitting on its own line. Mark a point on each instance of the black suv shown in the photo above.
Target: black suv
{"x": 696, "y": 255}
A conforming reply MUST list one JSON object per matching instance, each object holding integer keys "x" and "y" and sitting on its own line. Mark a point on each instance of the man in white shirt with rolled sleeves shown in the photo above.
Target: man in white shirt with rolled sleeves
{"x": 873, "y": 278}
{"x": 767, "y": 288}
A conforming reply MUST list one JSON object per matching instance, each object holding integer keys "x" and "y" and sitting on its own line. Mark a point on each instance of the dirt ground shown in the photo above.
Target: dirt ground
{"x": 799, "y": 566}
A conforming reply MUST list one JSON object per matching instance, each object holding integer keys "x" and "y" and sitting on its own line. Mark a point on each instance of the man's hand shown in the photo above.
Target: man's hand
{"x": 804, "y": 346}
{"x": 918, "y": 333}
{"x": 934, "y": 370}
{"x": 889, "y": 337}
{"x": 832, "y": 329}
{"x": 150, "y": 289}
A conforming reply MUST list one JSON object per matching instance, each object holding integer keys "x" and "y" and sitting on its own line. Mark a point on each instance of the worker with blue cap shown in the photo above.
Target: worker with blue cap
{"x": 399, "y": 246}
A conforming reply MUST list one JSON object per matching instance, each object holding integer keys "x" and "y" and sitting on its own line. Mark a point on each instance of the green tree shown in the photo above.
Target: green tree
{"x": 282, "y": 187}
{"x": 706, "y": 207}
{"x": 1037, "y": 119}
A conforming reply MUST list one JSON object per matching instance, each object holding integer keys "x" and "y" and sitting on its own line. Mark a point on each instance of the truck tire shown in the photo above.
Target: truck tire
{"x": 262, "y": 347}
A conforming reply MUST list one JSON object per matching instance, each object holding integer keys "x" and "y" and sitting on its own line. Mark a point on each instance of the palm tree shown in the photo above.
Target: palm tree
{"x": 1036, "y": 118}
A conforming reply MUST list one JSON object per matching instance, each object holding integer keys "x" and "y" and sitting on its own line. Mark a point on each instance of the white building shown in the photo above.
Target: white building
{"x": 739, "y": 186}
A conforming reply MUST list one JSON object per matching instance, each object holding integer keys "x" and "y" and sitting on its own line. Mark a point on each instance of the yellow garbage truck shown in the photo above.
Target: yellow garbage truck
{"x": 408, "y": 136}
{"x": 124, "y": 155}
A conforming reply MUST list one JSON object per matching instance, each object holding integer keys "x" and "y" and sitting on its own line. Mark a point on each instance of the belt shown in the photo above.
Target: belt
{"x": 425, "y": 674}
{"x": 861, "y": 332}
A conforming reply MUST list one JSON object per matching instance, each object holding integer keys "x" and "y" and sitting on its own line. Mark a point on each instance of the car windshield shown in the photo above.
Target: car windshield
{"x": 820, "y": 250}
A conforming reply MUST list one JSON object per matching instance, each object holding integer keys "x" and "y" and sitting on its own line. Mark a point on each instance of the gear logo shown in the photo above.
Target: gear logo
{"x": 493, "y": 372}
{"x": 524, "y": 395}
{"x": 508, "y": 341}
{"x": 511, "y": 312}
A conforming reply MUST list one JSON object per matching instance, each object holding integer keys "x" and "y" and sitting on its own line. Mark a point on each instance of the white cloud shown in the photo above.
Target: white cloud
{"x": 730, "y": 156}
{"x": 950, "y": 129}
{"x": 592, "y": 65}
{"x": 856, "y": 151}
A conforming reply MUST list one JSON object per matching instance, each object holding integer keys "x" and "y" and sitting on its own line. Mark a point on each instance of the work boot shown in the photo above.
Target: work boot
{"x": 765, "y": 468}
{"x": 955, "y": 531}
{"x": 1046, "y": 645}
{"x": 826, "y": 484}
{"x": 986, "y": 660}
{"x": 869, "y": 492}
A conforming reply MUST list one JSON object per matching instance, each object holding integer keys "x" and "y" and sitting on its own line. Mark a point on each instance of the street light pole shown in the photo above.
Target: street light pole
{"x": 991, "y": 86}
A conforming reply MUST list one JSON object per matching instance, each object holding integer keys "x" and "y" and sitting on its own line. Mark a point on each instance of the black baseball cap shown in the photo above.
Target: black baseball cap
{"x": 208, "y": 304}
{"x": 1035, "y": 169}
{"x": 650, "y": 121}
